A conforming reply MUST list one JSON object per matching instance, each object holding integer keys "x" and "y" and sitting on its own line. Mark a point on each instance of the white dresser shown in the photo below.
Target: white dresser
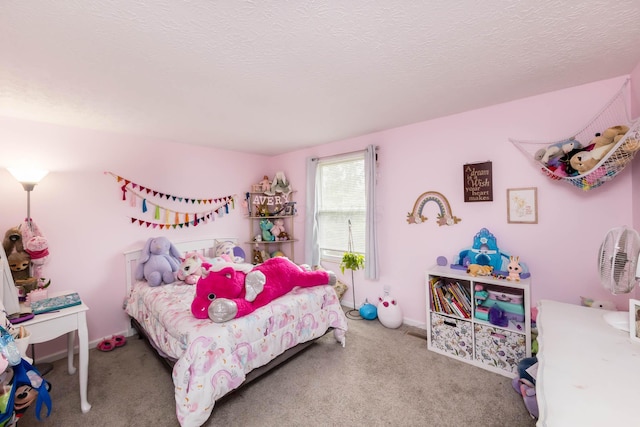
{"x": 589, "y": 372}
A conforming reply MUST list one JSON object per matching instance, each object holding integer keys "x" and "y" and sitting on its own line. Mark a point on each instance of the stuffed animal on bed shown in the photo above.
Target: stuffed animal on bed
{"x": 231, "y": 293}
{"x": 159, "y": 261}
{"x": 193, "y": 266}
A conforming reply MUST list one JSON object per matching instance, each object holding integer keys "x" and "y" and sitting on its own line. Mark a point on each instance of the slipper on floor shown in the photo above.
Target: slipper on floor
{"x": 106, "y": 344}
{"x": 119, "y": 340}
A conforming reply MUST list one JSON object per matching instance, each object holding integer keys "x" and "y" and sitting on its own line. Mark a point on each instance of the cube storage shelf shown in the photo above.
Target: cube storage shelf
{"x": 460, "y": 329}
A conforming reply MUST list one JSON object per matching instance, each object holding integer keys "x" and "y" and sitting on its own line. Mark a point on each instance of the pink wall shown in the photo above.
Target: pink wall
{"x": 561, "y": 250}
{"x": 80, "y": 209}
{"x": 635, "y": 112}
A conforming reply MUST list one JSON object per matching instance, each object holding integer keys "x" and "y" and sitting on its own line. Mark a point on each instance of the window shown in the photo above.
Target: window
{"x": 341, "y": 197}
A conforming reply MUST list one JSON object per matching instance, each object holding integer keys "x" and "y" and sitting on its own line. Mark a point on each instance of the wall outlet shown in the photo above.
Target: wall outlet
{"x": 386, "y": 289}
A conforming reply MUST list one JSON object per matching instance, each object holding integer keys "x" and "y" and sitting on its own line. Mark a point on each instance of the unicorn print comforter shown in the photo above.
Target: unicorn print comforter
{"x": 213, "y": 358}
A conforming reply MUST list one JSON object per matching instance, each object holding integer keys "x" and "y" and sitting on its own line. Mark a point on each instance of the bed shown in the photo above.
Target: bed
{"x": 210, "y": 360}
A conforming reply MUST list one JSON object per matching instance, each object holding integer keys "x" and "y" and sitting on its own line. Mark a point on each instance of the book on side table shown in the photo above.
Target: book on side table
{"x": 55, "y": 303}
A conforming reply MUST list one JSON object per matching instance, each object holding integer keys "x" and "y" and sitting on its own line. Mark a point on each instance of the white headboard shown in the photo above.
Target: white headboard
{"x": 205, "y": 246}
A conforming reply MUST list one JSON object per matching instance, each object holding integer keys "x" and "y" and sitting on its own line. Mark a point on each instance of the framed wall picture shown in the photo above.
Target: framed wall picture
{"x": 634, "y": 320}
{"x": 522, "y": 205}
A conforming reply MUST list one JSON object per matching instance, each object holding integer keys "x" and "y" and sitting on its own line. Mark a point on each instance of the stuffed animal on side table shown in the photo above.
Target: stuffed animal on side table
{"x": 231, "y": 292}
{"x": 159, "y": 262}
{"x": 19, "y": 263}
{"x": 514, "y": 268}
{"x": 193, "y": 266}
{"x": 12, "y": 241}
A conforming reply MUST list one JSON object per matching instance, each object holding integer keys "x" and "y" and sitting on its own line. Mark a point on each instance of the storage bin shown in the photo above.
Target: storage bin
{"x": 452, "y": 336}
{"x": 499, "y": 348}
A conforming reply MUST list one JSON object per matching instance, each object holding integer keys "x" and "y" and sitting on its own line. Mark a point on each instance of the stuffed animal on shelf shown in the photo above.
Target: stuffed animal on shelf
{"x": 479, "y": 270}
{"x": 265, "y": 184}
{"x": 193, "y": 266}
{"x": 231, "y": 293}
{"x": 278, "y": 229}
{"x": 585, "y": 160}
{"x": 514, "y": 268}
{"x": 159, "y": 262}
{"x": 280, "y": 184}
{"x": 266, "y": 226}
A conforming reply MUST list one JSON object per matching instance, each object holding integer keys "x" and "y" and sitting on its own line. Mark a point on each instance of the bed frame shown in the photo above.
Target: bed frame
{"x": 206, "y": 248}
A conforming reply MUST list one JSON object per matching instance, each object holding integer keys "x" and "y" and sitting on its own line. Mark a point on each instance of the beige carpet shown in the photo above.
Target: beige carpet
{"x": 384, "y": 377}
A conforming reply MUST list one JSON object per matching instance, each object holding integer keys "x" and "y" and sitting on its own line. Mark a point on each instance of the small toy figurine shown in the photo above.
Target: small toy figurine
{"x": 514, "y": 268}
{"x": 479, "y": 270}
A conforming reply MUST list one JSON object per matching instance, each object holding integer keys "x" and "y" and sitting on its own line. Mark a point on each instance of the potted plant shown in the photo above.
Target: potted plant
{"x": 352, "y": 261}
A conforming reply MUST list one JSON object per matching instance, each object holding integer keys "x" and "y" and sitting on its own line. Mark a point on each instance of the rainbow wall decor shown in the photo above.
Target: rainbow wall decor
{"x": 445, "y": 217}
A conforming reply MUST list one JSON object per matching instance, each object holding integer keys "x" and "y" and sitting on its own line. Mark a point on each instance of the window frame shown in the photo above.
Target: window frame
{"x": 335, "y": 254}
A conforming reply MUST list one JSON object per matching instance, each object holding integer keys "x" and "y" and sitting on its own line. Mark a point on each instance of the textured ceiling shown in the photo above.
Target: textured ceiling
{"x": 274, "y": 76}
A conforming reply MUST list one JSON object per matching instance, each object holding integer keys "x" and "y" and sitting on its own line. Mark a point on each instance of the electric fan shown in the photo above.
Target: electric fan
{"x": 619, "y": 268}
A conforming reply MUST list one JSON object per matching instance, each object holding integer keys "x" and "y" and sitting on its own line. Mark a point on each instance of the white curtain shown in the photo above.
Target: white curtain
{"x": 311, "y": 247}
{"x": 371, "y": 241}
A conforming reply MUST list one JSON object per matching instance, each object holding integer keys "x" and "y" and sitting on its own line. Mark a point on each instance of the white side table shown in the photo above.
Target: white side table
{"x": 47, "y": 326}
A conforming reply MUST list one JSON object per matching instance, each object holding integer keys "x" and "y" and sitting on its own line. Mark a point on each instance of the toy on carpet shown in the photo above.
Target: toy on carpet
{"x": 525, "y": 385}
{"x": 389, "y": 312}
{"x": 159, "y": 262}
{"x": 479, "y": 270}
{"x": 514, "y": 269}
{"x": 193, "y": 266}
{"x": 368, "y": 311}
{"x": 595, "y": 303}
{"x": 230, "y": 293}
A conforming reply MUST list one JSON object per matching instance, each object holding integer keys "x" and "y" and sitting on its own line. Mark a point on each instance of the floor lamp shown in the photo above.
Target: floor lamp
{"x": 29, "y": 178}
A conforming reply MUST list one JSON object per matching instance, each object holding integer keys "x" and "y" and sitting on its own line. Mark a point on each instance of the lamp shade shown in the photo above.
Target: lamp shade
{"x": 28, "y": 176}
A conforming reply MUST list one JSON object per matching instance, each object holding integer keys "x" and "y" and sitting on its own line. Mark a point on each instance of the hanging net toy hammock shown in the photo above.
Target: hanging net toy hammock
{"x": 593, "y": 155}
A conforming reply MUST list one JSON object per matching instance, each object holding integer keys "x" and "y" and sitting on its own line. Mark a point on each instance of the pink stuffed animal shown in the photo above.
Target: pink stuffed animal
{"x": 36, "y": 245}
{"x": 231, "y": 293}
{"x": 193, "y": 266}
{"x": 278, "y": 228}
